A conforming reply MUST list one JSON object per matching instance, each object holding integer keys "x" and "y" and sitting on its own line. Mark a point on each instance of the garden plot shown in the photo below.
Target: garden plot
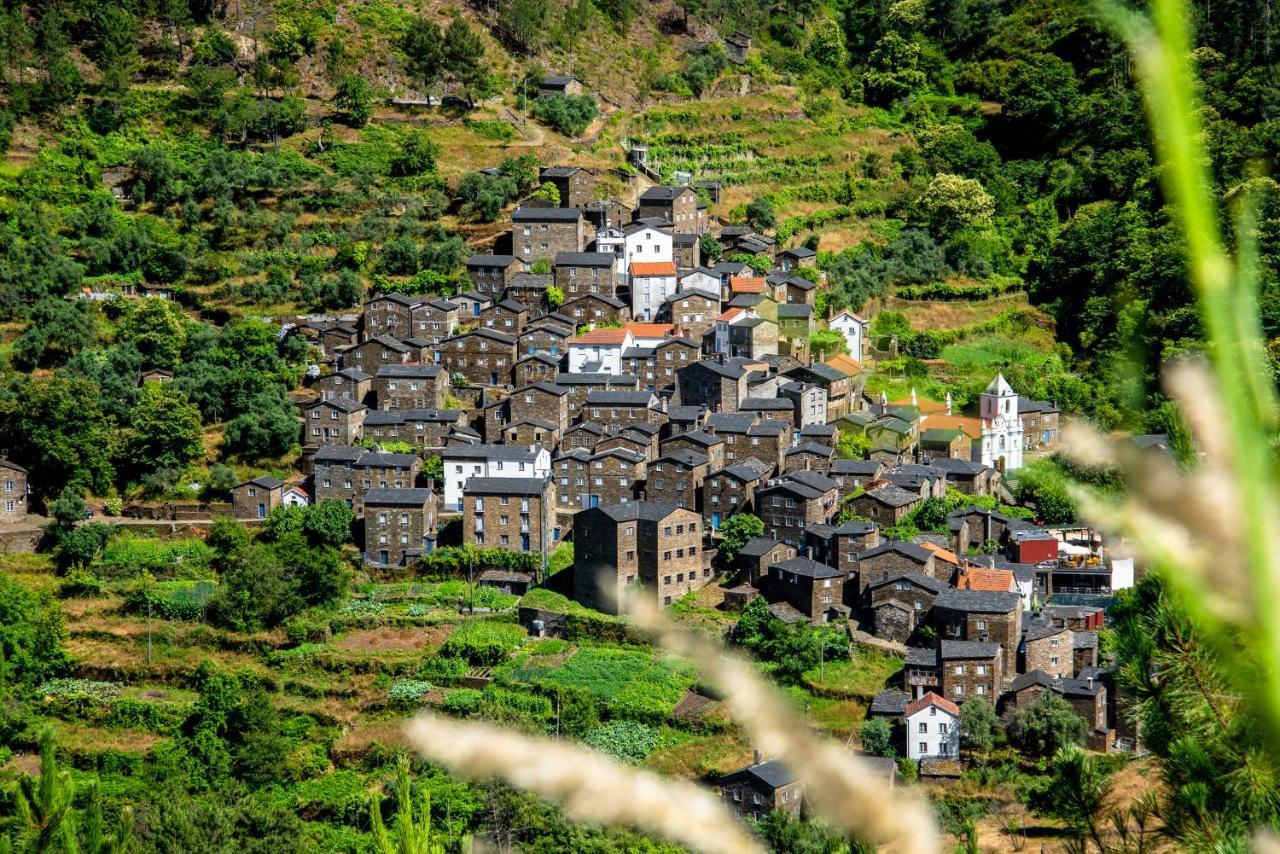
{"x": 631, "y": 680}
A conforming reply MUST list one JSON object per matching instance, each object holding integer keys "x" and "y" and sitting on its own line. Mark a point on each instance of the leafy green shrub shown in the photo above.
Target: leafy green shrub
{"x": 442, "y": 669}
{"x": 172, "y": 600}
{"x": 629, "y": 741}
{"x": 568, "y": 114}
{"x": 462, "y": 702}
{"x": 505, "y": 704}
{"x": 408, "y": 691}
{"x": 128, "y": 555}
{"x": 500, "y": 131}
{"x": 340, "y": 796}
{"x": 362, "y": 608}
{"x": 67, "y": 689}
{"x": 483, "y": 643}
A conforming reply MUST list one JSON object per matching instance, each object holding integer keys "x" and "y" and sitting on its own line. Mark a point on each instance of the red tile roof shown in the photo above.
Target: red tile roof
{"x": 730, "y": 314}
{"x": 601, "y": 336}
{"x": 981, "y": 578}
{"x": 653, "y": 268}
{"x": 745, "y": 284}
{"x": 650, "y": 330}
{"x": 932, "y": 699}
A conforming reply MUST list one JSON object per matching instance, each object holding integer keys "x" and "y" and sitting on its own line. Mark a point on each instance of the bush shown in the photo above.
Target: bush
{"x": 172, "y": 600}
{"x": 462, "y": 702}
{"x": 876, "y": 735}
{"x": 1044, "y": 727}
{"x": 628, "y": 741}
{"x": 568, "y": 114}
{"x": 440, "y": 669}
{"x": 483, "y": 643}
{"x": 407, "y": 692}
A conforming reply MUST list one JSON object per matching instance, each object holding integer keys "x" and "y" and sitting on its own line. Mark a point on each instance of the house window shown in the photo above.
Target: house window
{"x": 959, "y": 690}
{"x": 924, "y": 747}
{"x": 923, "y": 728}
{"x": 959, "y": 671}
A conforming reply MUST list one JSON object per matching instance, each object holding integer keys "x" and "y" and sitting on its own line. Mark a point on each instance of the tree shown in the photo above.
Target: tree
{"x": 115, "y": 46}
{"x": 568, "y": 114}
{"x": 736, "y": 531}
{"x": 524, "y": 23}
{"x": 255, "y": 592}
{"x": 464, "y": 59}
{"x": 1045, "y": 726}
{"x": 1074, "y": 793}
{"x": 164, "y": 431}
{"x": 354, "y": 100}
{"x": 417, "y": 154}
{"x": 433, "y": 468}
{"x": 329, "y": 523}
{"x": 55, "y": 428}
{"x": 423, "y": 47}
{"x": 483, "y": 197}
{"x": 876, "y": 735}
{"x": 31, "y": 635}
{"x": 79, "y": 546}
{"x": 158, "y": 329}
{"x": 267, "y": 429}
{"x": 548, "y": 192}
{"x": 828, "y": 342}
{"x": 57, "y": 330}
{"x": 951, "y": 203}
{"x": 978, "y": 724}
{"x": 710, "y": 248}
{"x": 892, "y": 72}
{"x": 760, "y": 215}
{"x": 411, "y": 827}
{"x": 555, "y": 297}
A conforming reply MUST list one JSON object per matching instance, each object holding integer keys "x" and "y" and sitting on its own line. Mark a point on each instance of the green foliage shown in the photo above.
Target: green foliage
{"x": 1074, "y": 792}
{"x": 568, "y": 114}
{"x": 760, "y": 215}
{"x": 353, "y": 99}
{"x": 164, "y": 432}
{"x": 979, "y": 725}
{"x": 876, "y": 735}
{"x": 736, "y": 531}
{"x": 629, "y": 741}
{"x": 483, "y": 642}
{"x": 1046, "y": 726}
{"x": 31, "y": 635}
{"x": 787, "y": 651}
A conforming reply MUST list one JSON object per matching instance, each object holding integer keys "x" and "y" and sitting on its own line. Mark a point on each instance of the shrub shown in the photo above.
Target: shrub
{"x": 440, "y": 669}
{"x": 568, "y": 114}
{"x": 483, "y": 643}
{"x": 70, "y": 689}
{"x": 462, "y": 702}
{"x": 172, "y": 600}
{"x": 408, "y": 691}
{"x": 1045, "y": 726}
{"x": 629, "y": 741}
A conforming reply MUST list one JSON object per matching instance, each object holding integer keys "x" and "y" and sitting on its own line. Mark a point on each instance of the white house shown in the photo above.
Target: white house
{"x": 702, "y": 279}
{"x": 933, "y": 727}
{"x": 652, "y": 284}
{"x": 1001, "y": 426}
{"x": 462, "y": 462}
{"x": 295, "y": 496}
{"x": 649, "y": 335}
{"x": 854, "y": 330}
{"x": 602, "y": 347}
{"x": 731, "y": 317}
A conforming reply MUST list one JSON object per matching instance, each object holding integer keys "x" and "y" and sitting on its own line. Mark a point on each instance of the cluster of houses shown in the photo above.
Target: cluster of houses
{"x": 636, "y": 399}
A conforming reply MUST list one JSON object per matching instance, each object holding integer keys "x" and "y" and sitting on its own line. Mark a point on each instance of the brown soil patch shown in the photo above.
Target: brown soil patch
{"x": 357, "y": 743}
{"x": 691, "y": 706}
{"x": 393, "y": 639}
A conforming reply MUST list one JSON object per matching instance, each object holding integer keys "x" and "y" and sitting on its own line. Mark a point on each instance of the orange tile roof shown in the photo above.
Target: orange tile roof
{"x": 940, "y": 552}
{"x": 650, "y": 330}
{"x": 981, "y": 578}
{"x": 932, "y": 699}
{"x": 926, "y": 406}
{"x": 653, "y": 268}
{"x": 601, "y": 336}
{"x": 730, "y": 314}
{"x": 971, "y": 427}
{"x": 746, "y": 284}
{"x": 845, "y": 364}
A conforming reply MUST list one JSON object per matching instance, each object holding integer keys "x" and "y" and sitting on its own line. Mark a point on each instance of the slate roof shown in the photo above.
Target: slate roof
{"x": 490, "y": 260}
{"x": 773, "y": 773}
{"x": 893, "y": 496}
{"x": 765, "y": 404}
{"x": 730, "y": 422}
{"x": 528, "y": 214}
{"x": 890, "y": 702}
{"x": 855, "y": 528}
{"x": 982, "y": 601}
{"x": 505, "y": 485}
{"x": 684, "y": 413}
{"x": 684, "y": 457}
{"x": 384, "y": 459}
{"x": 345, "y": 404}
{"x": 758, "y": 546}
{"x": 338, "y": 453}
{"x": 584, "y": 259}
{"x": 922, "y": 656}
{"x": 928, "y": 582}
{"x": 906, "y": 549}
{"x": 810, "y": 448}
{"x": 661, "y": 193}
{"x": 632, "y": 511}
{"x": 618, "y": 398}
{"x": 864, "y": 468}
{"x": 747, "y": 470}
{"x": 266, "y": 482}
{"x": 952, "y": 649}
{"x": 512, "y": 453}
{"x": 699, "y": 437}
{"x": 808, "y": 568}
{"x": 409, "y": 371}
{"x": 795, "y": 310}
{"x": 397, "y": 497}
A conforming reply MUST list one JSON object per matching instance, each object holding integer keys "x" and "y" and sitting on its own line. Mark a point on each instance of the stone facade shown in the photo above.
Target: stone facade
{"x": 425, "y": 429}
{"x": 911, "y": 591}
{"x": 508, "y": 317}
{"x": 814, "y": 589}
{"x": 678, "y": 206}
{"x": 619, "y": 409}
{"x": 542, "y": 232}
{"x": 977, "y": 615}
{"x": 585, "y": 479}
{"x": 483, "y": 356}
{"x": 892, "y": 557}
{"x": 730, "y": 491}
{"x": 656, "y": 545}
{"x": 490, "y": 274}
{"x": 535, "y": 368}
{"x": 758, "y": 790}
{"x": 580, "y": 273}
{"x": 333, "y": 422}
{"x": 597, "y": 308}
{"x": 789, "y": 505}
{"x": 13, "y": 492}
{"x": 509, "y": 513}
{"x": 410, "y": 386}
{"x": 379, "y": 350}
{"x": 577, "y": 186}
{"x": 1050, "y": 649}
{"x": 677, "y": 479}
{"x": 255, "y": 499}
{"x": 350, "y": 382}
{"x": 399, "y": 525}
{"x": 694, "y": 312}
{"x": 971, "y": 669}
{"x": 551, "y": 340}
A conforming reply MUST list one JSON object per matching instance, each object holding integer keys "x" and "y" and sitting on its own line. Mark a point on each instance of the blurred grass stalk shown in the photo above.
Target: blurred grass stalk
{"x": 1227, "y": 291}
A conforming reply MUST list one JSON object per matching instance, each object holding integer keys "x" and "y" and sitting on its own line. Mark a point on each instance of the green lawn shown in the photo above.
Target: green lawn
{"x": 861, "y": 677}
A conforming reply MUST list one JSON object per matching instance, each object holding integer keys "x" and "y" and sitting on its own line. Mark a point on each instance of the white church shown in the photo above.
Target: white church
{"x": 1001, "y": 426}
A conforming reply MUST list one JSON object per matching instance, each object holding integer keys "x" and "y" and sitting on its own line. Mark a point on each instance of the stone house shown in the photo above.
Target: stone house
{"x": 560, "y": 85}
{"x": 535, "y": 368}
{"x": 676, "y": 478}
{"x": 766, "y": 441}
{"x": 509, "y": 513}
{"x": 967, "y": 476}
{"x": 580, "y": 385}
{"x": 972, "y": 669}
{"x": 1087, "y": 697}
{"x": 840, "y": 545}
{"x": 758, "y": 554}
{"x": 585, "y": 479}
{"x": 679, "y": 207}
{"x": 1039, "y": 424}
{"x": 807, "y": 456}
{"x": 979, "y": 615}
{"x": 886, "y": 505}
{"x": 639, "y": 437}
{"x": 508, "y": 317}
{"x": 491, "y": 274}
{"x": 913, "y": 594}
{"x": 814, "y": 589}
{"x": 695, "y": 440}
{"x": 732, "y": 490}
{"x": 597, "y": 309}
{"x": 655, "y": 545}
{"x": 684, "y": 419}
{"x": 530, "y": 290}
{"x": 578, "y": 274}
{"x": 333, "y": 475}
{"x": 694, "y": 311}
{"x": 1048, "y": 648}
{"x": 973, "y": 526}
{"x": 337, "y": 337}
{"x": 686, "y": 250}
{"x": 531, "y": 431}
{"x": 718, "y": 384}
{"x": 768, "y": 407}
{"x": 922, "y": 672}
{"x": 390, "y": 315}
{"x": 584, "y": 435}
{"x": 378, "y": 350}
{"x": 543, "y": 401}
{"x": 463, "y": 462}
{"x": 753, "y": 338}
{"x": 943, "y": 442}
{"x": 855, "y": 474}
{"x": 670, "y": 356}
{"x": 13, "y": 492}
{"x": 425, "y": 429}
{"x": 838, "y": 386}
{"x": 410, "y": 386}
{"x": 577, "y": 186}
{"x": 542, "y": 232}
{"x": 798, "y": 289}
{"x": 794, "y": 258}
{"x": 795, "y": 325}
{"x": 253, "y": 499}
{"x": 348, "y": 382}
{"x": 333, "y": 422}
{"x": 790, "y": 504}
{"x": 892, "y": 557}
{"x": 759, "y": 789}
{"x": 483, "y": 357}
{"x": 618, "y": 409}
{"x": 471, "y": 303}
{"x": 399, "y": 525}
{"x": 434, "y": 320}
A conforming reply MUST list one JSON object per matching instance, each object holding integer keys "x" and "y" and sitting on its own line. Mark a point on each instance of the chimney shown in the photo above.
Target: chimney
{"x": 948, "y": 403}
{"x": 757, "y": 757}
{"x": 914, "y": 402}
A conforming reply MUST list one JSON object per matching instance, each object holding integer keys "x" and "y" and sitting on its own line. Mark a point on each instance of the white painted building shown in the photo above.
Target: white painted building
{"x": 933, "y": 727}
{"x": 462, "y": 462}
{"x": 853, "y": 328}
{"x": 1001, "y": 426}
{"x": 652, "y": 284}
{"x": 701, "y": 279}
{"x": 295, "y": 496}
{"x": 602, "y": 347}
